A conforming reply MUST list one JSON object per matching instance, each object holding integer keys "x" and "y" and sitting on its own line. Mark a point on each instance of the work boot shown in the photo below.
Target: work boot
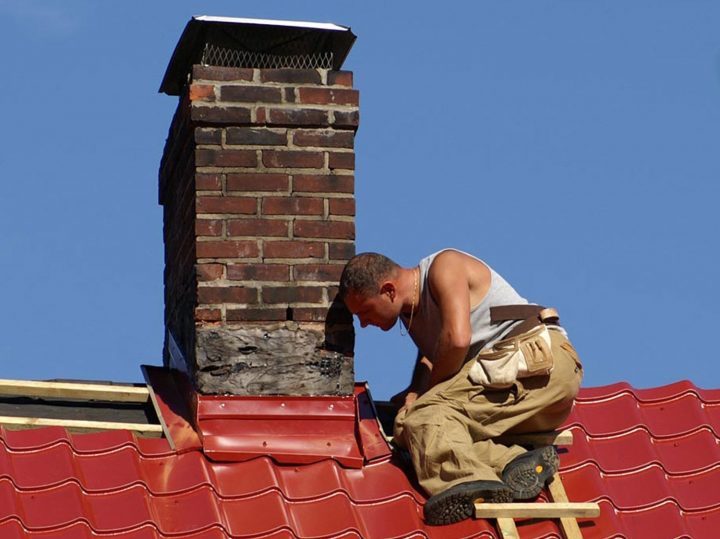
{"x": 527, "y": 474}
{"x": 458, "y": 503}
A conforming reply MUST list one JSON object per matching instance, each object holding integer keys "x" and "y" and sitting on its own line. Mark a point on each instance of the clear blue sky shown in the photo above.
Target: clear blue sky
{"x": 573, "y": 145}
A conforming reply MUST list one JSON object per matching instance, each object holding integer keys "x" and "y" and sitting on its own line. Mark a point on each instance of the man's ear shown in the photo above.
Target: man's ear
{"x": 388, "y": 288}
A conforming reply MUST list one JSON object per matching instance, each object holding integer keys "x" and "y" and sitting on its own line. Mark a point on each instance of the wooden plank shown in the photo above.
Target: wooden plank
{"x": 536, "y": 510}
{"x": 569, "y": 526}
{"x": 74, "y": 390}
{"x": 507, "y": 528}
{"x": 78, "y": 424}
{"x": 564, "y": 437}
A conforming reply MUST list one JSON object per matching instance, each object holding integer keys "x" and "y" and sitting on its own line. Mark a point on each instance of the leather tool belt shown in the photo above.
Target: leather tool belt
{"x": 524, "y": 352}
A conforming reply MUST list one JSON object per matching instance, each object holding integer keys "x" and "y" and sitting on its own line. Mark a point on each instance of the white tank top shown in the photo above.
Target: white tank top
{"x": 426, "y": 320}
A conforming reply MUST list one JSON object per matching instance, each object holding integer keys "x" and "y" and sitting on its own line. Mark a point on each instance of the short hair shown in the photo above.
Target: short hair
{"x": 364, "y": 273}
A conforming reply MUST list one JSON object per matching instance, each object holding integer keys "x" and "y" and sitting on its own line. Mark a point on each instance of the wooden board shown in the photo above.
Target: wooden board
{"x": 507, "y": 528}
{"x": 569, "y": 526}
{"x": 74, "y": 390}
{"x": 536, "y": 510}
{"x": 78, "y": 424}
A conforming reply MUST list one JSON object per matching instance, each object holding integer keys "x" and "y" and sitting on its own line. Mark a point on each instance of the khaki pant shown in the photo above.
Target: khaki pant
{"x": 448, "y": 430}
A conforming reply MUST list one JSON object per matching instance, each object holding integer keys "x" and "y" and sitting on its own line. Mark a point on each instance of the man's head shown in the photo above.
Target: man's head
{"x": 368, "y": 286}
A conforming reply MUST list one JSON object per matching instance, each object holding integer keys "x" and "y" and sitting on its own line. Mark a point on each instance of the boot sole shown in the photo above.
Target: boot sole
{"x": 458, "y": 503}
{"x": 527, "y": 479}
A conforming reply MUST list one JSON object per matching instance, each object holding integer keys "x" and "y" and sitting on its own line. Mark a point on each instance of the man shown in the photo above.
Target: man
{"x": 488, "y": 363}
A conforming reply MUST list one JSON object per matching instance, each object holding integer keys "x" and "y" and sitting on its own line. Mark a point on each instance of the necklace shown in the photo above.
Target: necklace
{"x": 412, "y": 307}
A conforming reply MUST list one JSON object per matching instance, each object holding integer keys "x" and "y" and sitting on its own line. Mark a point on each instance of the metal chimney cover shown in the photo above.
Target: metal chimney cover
{"x": 261, "y": 43}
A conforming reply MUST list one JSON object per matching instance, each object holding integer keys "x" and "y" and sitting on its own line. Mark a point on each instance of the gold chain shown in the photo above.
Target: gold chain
{"x": 412, "y": 307}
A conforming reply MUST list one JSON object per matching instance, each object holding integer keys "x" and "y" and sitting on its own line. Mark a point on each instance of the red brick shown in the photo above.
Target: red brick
{"x": 257, "y": 227}
{"x": 234, "y": 205}
{"x": 342, "y": 206}
{"x": 209, "y": 272}
{"x": 340, "y": 78}
{"x": 326, "y": 183}
{"x": 208, "y": 315}
{"x": 341, "y": 251}
{"x": 226, "y": 294}
{"x": 251, "y": 94}
{"x": 208, "y": 227}
{"x": 202, "y": 92}
{"x": 207, "y": 135}
{"x": 256, "y": 315}
{"x": 212, "y": 114}
{"x": 258, "y": 182}
{"x": 256, "y": 136}
{"x": 344, "y": 230}
{"x": 346, "y": 119}
{"x": 328, "y": 96}
{"x": 292, "y": 117}
{"x": 259, "y": 272}
{"x": 205, "y": 157}
{"x": 221, "y": 73}
{"x": 227, "y": 249}
{"x": 293, "y": 159}
{"x": 324, "y": 138}
{"x": 291, "y": 76}
{"x": 292, "y": 206}
{"x": 344, "y": 160}
{"x": 317, "y": 272}
{"x": 292, "y": 294}
{"x": 208, "y": 182}
{"x": 290, "y": 95}
{"x": 293, "y": 249}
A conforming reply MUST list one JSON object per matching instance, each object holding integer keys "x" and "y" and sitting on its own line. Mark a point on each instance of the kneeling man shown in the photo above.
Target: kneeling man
{"x": 489, "y": 363}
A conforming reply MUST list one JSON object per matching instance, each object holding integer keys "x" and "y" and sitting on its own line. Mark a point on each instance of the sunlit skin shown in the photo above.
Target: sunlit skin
{"x": 458, "y": 283}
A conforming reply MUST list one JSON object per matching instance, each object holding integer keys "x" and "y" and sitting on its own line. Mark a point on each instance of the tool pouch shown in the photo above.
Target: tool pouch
{"x": 521, "y": 356}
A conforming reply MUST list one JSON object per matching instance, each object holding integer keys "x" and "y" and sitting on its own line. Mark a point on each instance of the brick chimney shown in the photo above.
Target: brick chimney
{"x": 257, "y": 189}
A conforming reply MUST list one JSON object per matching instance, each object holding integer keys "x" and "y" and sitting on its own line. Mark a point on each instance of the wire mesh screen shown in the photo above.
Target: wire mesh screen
{"x": 217, "y": 55}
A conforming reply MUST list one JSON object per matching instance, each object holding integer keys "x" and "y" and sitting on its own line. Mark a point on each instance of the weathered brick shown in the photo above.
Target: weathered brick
{"x": 346, "y": 118}
{"x": 328, "y": 96}
{"x": 220, "y": 115}
{"x": 292, "y": 294}
{"x": 293, "y": 249}
{"x": 323, "y": 183}
{"x": 233, "y": 205}
{"x": 344, "y": 230}
{"x": 209, "y": 272}
{"x": 208, "y": 182}
{"x": 227, "y": 249}
{"x": 208, "y": 227}
{"x": 292, "y": 206}
{"x": 291, "y": 76}
{"x": 206, "y": 157}
{"x": 258, "y": 182}
{"x": 340, "y": 78}
{"x": 201, "y": 72}
{"x": 333, "y": 315}
{"x": 345, "y": 160}
{"x": 341, "y": 251}
{"x": 317, "y": 272}
{"x": 292, "y": 159}
{"x": 207, "y": 135}
{"x": 257, "y": 227}
{"x": 256, "y": 315}
{"x": 208, "y": 315}
{"x": 256, "y": 135}
{"x": 290, "y": 117}
{"x": 202, "y": 92}
{"x": 226, "y": 294}
{"x": 325, "y": 138}
{"x": 289, "y": 95}
{"x": 258, "y": 272}
{"x": 251, "y": 94}
{"x": 341, "y": 206}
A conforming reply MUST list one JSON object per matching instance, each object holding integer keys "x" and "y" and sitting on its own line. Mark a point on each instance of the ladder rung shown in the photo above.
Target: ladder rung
{"x": 536, "y": 510}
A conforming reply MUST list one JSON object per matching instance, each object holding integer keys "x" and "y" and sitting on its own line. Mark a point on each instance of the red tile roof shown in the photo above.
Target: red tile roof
{"x": 650, "y": 458}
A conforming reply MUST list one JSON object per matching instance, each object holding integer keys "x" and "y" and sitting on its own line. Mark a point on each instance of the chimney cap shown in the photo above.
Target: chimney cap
{"x": 238, "y": 42}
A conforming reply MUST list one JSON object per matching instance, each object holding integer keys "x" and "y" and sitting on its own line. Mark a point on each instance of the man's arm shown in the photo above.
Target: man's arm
{"x": 449, "y": 284}
{"x": 419, "y": 383}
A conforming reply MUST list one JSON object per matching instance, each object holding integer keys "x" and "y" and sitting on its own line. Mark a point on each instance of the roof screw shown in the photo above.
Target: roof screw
{"x": 331, "y": 406}
{"x": 329, "y": 444}
{"x": 282, "y": 404}
{"x": 222, "y": 405}
{"x": 264, "y": 444}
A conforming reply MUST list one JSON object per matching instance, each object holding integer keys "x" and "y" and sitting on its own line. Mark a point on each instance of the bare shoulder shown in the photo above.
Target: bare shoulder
{"x": 459, "y": 268}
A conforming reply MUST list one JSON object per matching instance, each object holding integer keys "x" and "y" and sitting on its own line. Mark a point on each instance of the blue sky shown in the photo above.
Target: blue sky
{"x": 573, "y": 145}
